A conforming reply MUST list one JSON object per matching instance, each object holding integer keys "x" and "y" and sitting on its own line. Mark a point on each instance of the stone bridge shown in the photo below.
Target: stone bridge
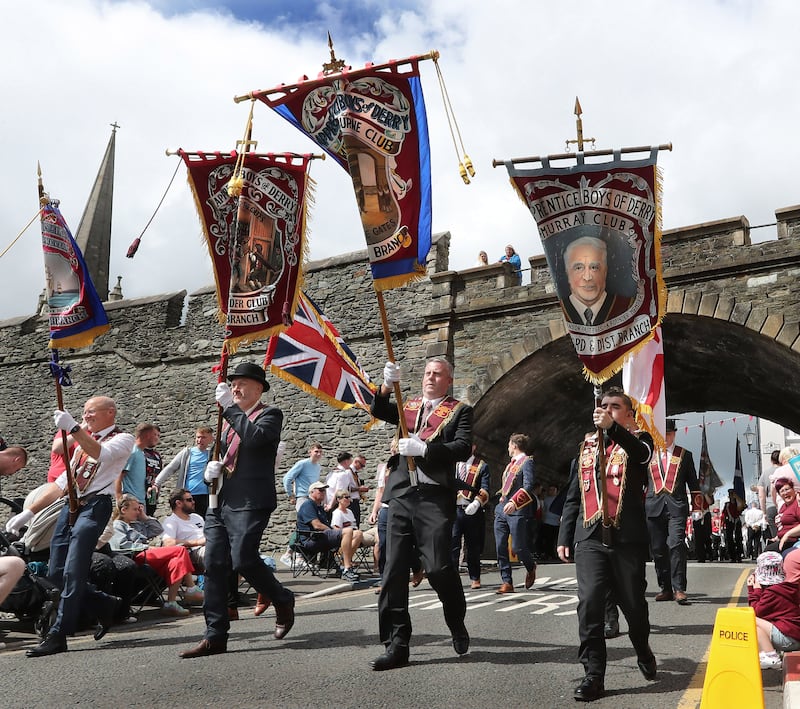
{"x": 731, "y": 343}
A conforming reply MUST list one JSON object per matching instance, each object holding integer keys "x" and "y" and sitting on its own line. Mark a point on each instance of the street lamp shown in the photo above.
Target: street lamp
{"x": 749, "y": 438}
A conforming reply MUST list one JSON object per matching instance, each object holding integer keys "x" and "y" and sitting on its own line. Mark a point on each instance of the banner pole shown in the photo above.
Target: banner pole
{"x": 398, "y": 396}
{"x": 587, "y": 154}
{"x": 71, "y": 494}
{"x": 601, "y": 464}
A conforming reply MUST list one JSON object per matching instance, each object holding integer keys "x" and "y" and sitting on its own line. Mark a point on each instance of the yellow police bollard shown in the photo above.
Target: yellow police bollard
{"x": 733, "y": 675}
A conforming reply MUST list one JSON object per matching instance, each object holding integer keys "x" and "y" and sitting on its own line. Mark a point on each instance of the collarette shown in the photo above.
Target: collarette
{"x": 518, "y": 457}
{"x": 433, "y": 402}
{"x": 253, "y": 407}
{"x": 104, "y": 432}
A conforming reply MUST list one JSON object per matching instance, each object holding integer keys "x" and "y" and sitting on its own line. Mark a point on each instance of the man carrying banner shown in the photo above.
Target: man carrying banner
{"x": 102, "y": 450}
{"x": 247, "y": 498}
{"x": 620, "y": 564}
{"x": 667, "y": 507}
{"x": 421, "y": 515}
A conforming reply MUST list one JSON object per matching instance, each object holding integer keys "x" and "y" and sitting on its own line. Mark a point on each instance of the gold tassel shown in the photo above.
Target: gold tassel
{"x": 465, "y": 167}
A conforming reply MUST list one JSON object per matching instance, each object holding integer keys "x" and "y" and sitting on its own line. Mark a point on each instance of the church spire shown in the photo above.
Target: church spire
{"x": 94, "y": 231}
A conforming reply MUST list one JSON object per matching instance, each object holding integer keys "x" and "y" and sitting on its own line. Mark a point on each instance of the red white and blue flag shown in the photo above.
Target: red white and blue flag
{"x": 312, "y": 355}
{"x": 643, "y": 381}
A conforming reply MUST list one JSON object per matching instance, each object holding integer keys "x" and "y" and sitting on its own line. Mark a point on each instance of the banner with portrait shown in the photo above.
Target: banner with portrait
{"x": 373, "y": 123}
{"x": 75, "y": 312}
{"x": 600, "y": 227}
{"x": 256, "y": 241}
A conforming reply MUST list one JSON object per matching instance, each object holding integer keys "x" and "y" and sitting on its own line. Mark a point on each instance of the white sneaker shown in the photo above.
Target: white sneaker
{"x": 193, "y": 596}
{"x": 286, "y": 559}
{"x": 173, "y": 609}
{"x": 769, "y": 660}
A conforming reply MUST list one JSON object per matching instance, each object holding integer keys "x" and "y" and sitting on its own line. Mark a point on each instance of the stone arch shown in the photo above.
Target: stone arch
{"x": 735, "y": 357}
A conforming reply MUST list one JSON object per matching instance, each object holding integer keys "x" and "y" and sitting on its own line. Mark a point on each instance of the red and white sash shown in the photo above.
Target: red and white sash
{"x": 616, "y": 465}
{"x": 665, "y": 476}
{"x": 233, "y": 439}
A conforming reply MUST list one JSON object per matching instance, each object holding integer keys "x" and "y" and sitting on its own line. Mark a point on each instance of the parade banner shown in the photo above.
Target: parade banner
{"x": 256, "y": 242}
{"x": 707, "y": 476}
{"x": 600, "y": 227}
{"x": 373, "y": 123}
{"x": 76, "y": 315}
{"x": 313, "y": 356}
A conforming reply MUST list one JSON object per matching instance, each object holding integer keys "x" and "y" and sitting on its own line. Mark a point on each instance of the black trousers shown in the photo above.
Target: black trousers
{"x": 622, "y": 569}
{"x": 668, "y": 545}
{"x": 472, "y": 529}
{"x": 419, "y": 522}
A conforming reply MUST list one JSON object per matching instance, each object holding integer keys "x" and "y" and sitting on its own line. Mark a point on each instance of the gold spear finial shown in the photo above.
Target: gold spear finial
{"x": 335, "y": 65}
{"x": 42, "y": 195}
{"x": 579, "y": 129}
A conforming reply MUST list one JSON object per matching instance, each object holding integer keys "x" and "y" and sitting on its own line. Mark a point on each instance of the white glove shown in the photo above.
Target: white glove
{"x": 17, "y": 522}
{"x": 472, "y": 507}
{"x": 413, "y": 446}
{"x": 279, "y": 453}
{"x": 64, "y": 420}
{"x": 223, "y": 395}
{"x": 213, "y": 471}
{"x": 391, "y": 374}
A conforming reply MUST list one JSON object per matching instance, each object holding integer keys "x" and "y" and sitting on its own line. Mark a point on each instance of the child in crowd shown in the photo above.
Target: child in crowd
{"x": 775, "y": 602}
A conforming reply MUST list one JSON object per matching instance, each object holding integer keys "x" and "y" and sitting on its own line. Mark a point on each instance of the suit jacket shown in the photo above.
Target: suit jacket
{"x": 251, "y": 486}
{"x": 453, "y": 444}
{"x": 613, "y": 306}
{"x": 523, "y": 480}
{"x": 632, "y": 523}
{"x": 677, "y": 503}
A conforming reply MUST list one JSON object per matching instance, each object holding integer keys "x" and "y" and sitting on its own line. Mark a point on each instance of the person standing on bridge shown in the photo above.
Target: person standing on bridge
{"x": 619, "y": 565}
{"x": 421, "y": 511}
{"x": 667, "y": 507}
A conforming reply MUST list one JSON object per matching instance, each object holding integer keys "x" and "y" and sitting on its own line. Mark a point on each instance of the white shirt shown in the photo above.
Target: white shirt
{"x": 338, "y": 479}
{"x": 114, "y": 453}
{"x": 421, "y": 477}
{"x": 183, "y": 530}
{"x": 343, "y": 519}
{"x": 753, "y": 517}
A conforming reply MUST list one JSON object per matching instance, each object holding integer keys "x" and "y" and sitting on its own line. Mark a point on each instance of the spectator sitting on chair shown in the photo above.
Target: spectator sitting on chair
{"x": 318, "y": 536}
{"x": 343, "y": 518}
{"x": 185, "y": 528}
{"x": 171, "y": 563}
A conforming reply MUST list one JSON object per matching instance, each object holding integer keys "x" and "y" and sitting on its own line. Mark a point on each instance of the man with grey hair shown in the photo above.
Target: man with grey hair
{"x": 589, "y": 303}
{"x": 422, "y": 505}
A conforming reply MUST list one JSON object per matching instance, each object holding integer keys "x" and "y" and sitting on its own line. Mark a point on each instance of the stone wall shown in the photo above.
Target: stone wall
{"x": 156, "y": 361}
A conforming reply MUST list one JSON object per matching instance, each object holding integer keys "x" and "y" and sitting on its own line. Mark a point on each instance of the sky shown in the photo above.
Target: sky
{"x": 712, "y": 77}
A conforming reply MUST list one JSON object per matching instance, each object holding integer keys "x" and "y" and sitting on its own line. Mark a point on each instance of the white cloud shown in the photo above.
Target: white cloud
{"x": 713, "y": 78}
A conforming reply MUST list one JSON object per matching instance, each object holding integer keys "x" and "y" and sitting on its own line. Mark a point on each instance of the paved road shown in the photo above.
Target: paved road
{"x": 523, "y": 654}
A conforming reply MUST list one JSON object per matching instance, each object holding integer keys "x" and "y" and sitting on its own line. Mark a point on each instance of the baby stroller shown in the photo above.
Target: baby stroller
{"x": 34, "y": 599}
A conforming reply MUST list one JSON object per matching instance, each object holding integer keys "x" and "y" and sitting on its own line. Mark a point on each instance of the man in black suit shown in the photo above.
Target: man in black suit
{"x": 620, "y": 563}
{"x": 422, "y": 506}
{"x": 667, "y": 508}
{"x": 246, "y": 498}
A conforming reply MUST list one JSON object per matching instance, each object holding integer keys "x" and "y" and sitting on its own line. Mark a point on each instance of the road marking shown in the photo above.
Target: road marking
{"x": 546, "y": 601}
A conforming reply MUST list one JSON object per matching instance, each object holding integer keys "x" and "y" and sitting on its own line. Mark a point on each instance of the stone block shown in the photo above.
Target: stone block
{"x": 740, "y": 313}
{"x": 675, "y": 301}
{"x": 691, "y": 302}
{"x": 788, "y": 335}
{"x": 725, "y": 306}
{"x": 756, "y": 318}
{"x": 708, "y": 304}
{"x": 772, "y": 325}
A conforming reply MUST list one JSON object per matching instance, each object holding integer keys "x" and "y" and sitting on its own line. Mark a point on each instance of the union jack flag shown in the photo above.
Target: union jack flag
{"x": 312, "y": 355}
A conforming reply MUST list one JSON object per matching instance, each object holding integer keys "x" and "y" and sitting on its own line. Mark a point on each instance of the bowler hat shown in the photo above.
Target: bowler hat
{"x": 671, "y": 426}
{"x": 249, "y": 370}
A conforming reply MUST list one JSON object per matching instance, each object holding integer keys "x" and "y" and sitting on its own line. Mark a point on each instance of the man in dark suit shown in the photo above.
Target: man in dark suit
{"x": 514, "y": 512}
{"x": 618, "y": 562}
{"x": 589, "y": 303}
{"x": 246, "y": 498}
{"x": 667, "y": 509}
{"x": 422, "y": 506}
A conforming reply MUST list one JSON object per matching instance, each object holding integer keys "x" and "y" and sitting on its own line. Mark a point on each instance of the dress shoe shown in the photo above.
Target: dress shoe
{"x": 108, "y": 618}
{"x": 611, "y": 630}
{"x": 530, "y": 577}
{"x": 590, "y": 689}
{"x": 505, "y": 588}
{"x": 206, "y": 647}
{"x": 390, "y": 660}
{"x": 681, "y": 598}
{"x": 284, "y": 619}
{"x": 461, "y": 640}
{"x": 648, "y": 667}
{"x": 475, "y": 584}
{"x": 262, "y": 603}
{"x": 416, "y": 578}
{"x": 664, "y": 596}
{"x": 233, "y": 613}
{"x": 51, "y": 645}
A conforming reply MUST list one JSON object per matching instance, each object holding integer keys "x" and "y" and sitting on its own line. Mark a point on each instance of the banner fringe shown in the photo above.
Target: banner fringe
{"x": 83, "y": 339}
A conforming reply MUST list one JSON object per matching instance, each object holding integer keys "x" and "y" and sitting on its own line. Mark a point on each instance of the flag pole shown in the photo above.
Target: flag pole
{"x": 222, "y": 368}
{"x": 56, "y": 371}
{"x": 601, "y": 464}
{"x": 398, "y": 396}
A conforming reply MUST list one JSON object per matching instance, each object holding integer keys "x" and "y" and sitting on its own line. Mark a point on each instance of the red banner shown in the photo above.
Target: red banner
{"x": 600, "y": 226}
{"x": 373, "y": 123}
{"x": 256, "y": 242}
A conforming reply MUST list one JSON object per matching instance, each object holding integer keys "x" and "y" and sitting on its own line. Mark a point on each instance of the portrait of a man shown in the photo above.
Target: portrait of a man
{"x": 589, "y": 302}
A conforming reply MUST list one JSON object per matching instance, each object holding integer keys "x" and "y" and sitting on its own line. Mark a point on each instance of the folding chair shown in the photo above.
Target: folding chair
{"x": 318, "y": 563}
{"x": 363, "y": 559}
